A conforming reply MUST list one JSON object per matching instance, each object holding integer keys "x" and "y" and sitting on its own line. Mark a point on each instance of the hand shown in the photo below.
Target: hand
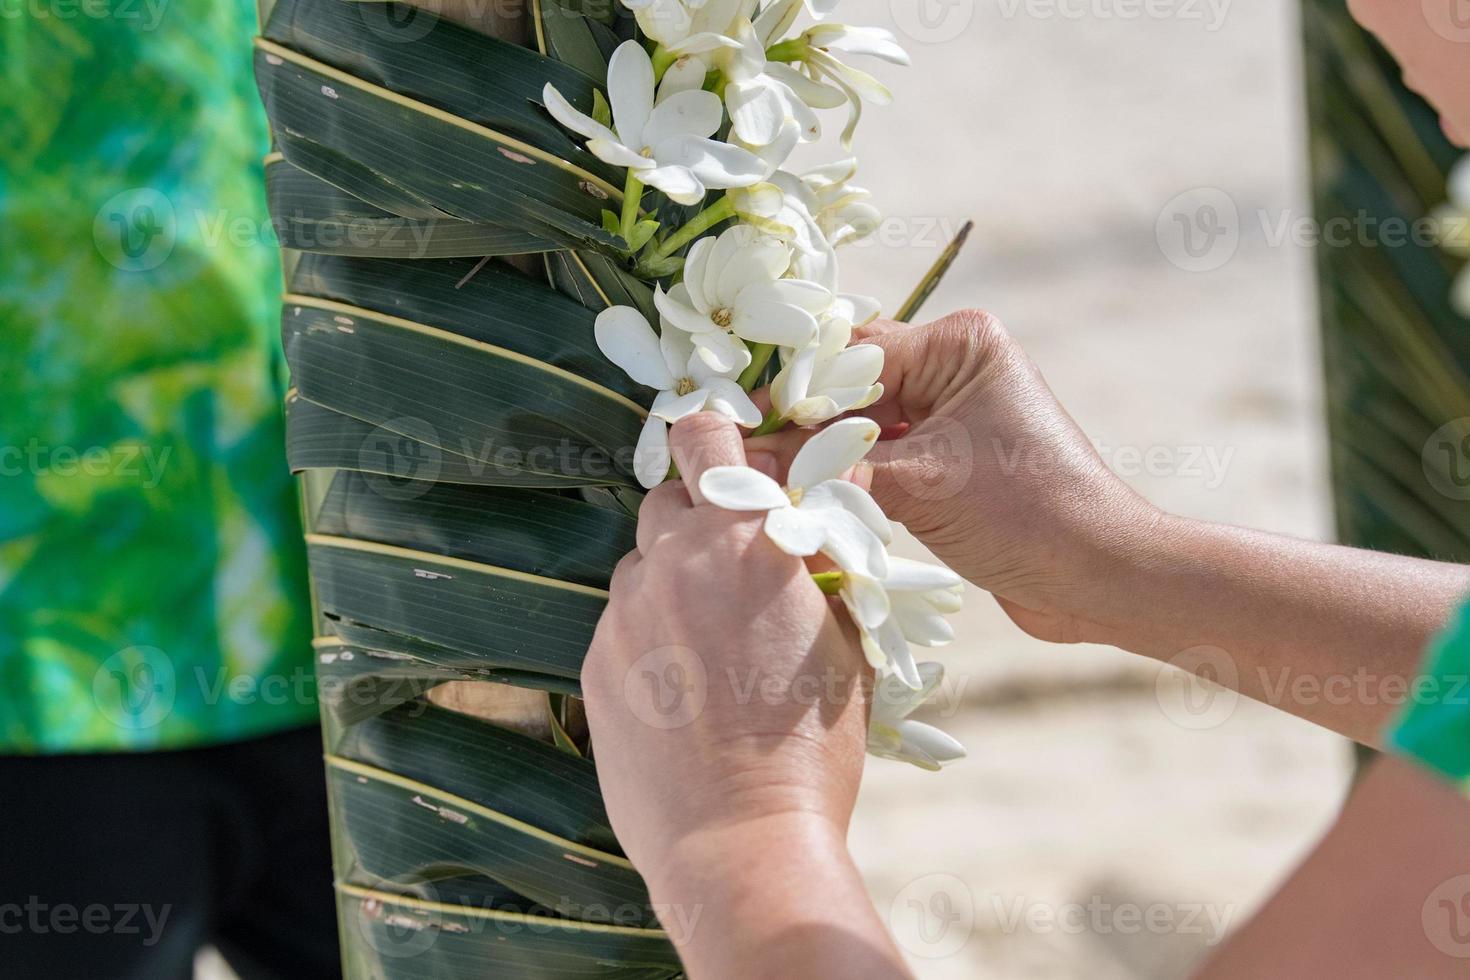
{"x": 728, "y": 701}
{"x": 993, "y": 476}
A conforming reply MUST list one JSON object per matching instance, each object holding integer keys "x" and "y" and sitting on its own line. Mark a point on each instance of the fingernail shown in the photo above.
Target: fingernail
{"x": 762, "y": 462}
{"x": 862, "y": 474}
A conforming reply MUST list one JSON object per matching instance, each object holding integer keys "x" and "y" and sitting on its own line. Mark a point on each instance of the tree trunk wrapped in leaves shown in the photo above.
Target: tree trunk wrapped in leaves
{"x": 467, "y": 459}
{"x": 1397, "y": 354}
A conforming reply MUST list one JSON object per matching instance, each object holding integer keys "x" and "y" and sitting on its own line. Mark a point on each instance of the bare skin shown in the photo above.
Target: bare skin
{"x": 720, "y": 660}
{"x": 998, "y": 481}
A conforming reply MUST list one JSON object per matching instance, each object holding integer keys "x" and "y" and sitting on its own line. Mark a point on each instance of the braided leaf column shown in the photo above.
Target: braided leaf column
{"x": 1397, "y": 355}
{"x": 466, "y": 451}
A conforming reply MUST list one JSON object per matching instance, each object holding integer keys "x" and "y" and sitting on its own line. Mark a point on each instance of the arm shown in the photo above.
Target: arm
{"x": 994, "y": 476}
{"x": 1386, "y": 894}
{"x": 728, "y": 700}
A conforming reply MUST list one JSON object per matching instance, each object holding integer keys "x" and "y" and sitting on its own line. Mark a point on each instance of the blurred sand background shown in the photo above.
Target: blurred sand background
{"x": 1091, "y": 834}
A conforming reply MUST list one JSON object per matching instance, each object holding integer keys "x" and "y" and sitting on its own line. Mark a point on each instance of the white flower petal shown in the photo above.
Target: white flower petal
{"x": 626, "y": 339}
{"x": 742, "y": 488}
{"x": 907, "y": 575}
{"x": 858, "y": 502}
{"x": 925, "y": 742}
{"x": 723, "y": 353}
{"x": 679, "y": 183}
{"x": 651, "y": 456}
{"x": 630, "y": 91}
{"x": 682, "y": 114}
{"x": 866, "y": 599}
{"x": 615, "y": 153}
{"x": 716, "y": 165}
{"x": 695, "y": 265}
{"x": 731, "y": 400}
{"x": 767, "y": 322}
{"x": 849, "y": 542}
{"x": 672, "y": 406}
{"x": 757, "y": 111}
{"x": 794, "y": 532}
{"x": 686, "y": 74}
{"x": 833, "y": 451}
{"x": 565, "y": 113}
{"x": 750, "y": 258}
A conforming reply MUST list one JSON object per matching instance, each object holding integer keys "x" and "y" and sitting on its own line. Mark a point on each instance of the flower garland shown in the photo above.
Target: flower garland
{"x": 715, "y": 98}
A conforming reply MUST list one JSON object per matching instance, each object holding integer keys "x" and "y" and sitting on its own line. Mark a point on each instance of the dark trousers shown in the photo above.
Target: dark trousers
{"x": 122, "y": 866}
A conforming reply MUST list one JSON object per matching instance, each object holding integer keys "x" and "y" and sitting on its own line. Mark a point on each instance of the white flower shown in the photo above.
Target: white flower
{"x": 733, "y": 291}
{"x": 840, "y": 208}
{"x": 893, "y": 735}
{"x": 828, "y": 378}
{"x": 685, "y": 384}
{"x": 700, "y": 22}
{"x": 821, "y": 66}
{"x": 817, "y": 511}
{"x": 907, "y": 605}
{"x": 764, "y": 97}
{"x": 666, "y": 141}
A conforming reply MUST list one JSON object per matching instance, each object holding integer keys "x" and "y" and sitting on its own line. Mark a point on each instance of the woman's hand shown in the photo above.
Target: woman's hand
{"x": 729, "y": 702}
{"x": 993, "y": 476}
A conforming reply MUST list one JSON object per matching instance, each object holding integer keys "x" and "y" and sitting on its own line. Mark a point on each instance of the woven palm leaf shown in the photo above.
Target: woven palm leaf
{"x": 466, "y": 451}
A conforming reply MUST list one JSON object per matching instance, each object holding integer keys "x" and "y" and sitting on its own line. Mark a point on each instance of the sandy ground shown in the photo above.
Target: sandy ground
{"x": 1096, "y": 831}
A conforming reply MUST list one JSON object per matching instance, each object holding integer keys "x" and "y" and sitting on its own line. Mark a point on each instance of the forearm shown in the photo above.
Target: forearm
{"x": 778, "y": 897}
{"x": 1333, "y": 634}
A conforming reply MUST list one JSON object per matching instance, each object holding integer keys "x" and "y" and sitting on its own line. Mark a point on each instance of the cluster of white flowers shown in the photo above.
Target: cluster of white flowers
{"x": 1454, "y": 229}
{"x": 714, "y": 97}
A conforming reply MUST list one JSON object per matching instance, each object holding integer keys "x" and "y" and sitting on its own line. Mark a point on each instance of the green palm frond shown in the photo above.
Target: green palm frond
{"x": 467, "y": 450}
{"x": 1397, "y": 354}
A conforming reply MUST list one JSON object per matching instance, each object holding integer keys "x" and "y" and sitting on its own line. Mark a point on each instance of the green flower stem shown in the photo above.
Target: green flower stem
{"x": 792, "y": 49}
{"x": 773, "y": 422}
{"x": 632, "y": 198}
{"x": 829, "y": 582}
{"x": 760, "y": 356}
{"x": 662, "y": 60}
{"x": 721, "y": 210}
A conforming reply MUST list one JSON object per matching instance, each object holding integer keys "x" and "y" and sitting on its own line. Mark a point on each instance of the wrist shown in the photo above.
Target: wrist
{"x": 739, "y": 892}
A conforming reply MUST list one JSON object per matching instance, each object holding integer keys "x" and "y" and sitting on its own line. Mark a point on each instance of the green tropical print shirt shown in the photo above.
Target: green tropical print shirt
{"x": 1434, "y": 728}
{"x": 152, "y": 581}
